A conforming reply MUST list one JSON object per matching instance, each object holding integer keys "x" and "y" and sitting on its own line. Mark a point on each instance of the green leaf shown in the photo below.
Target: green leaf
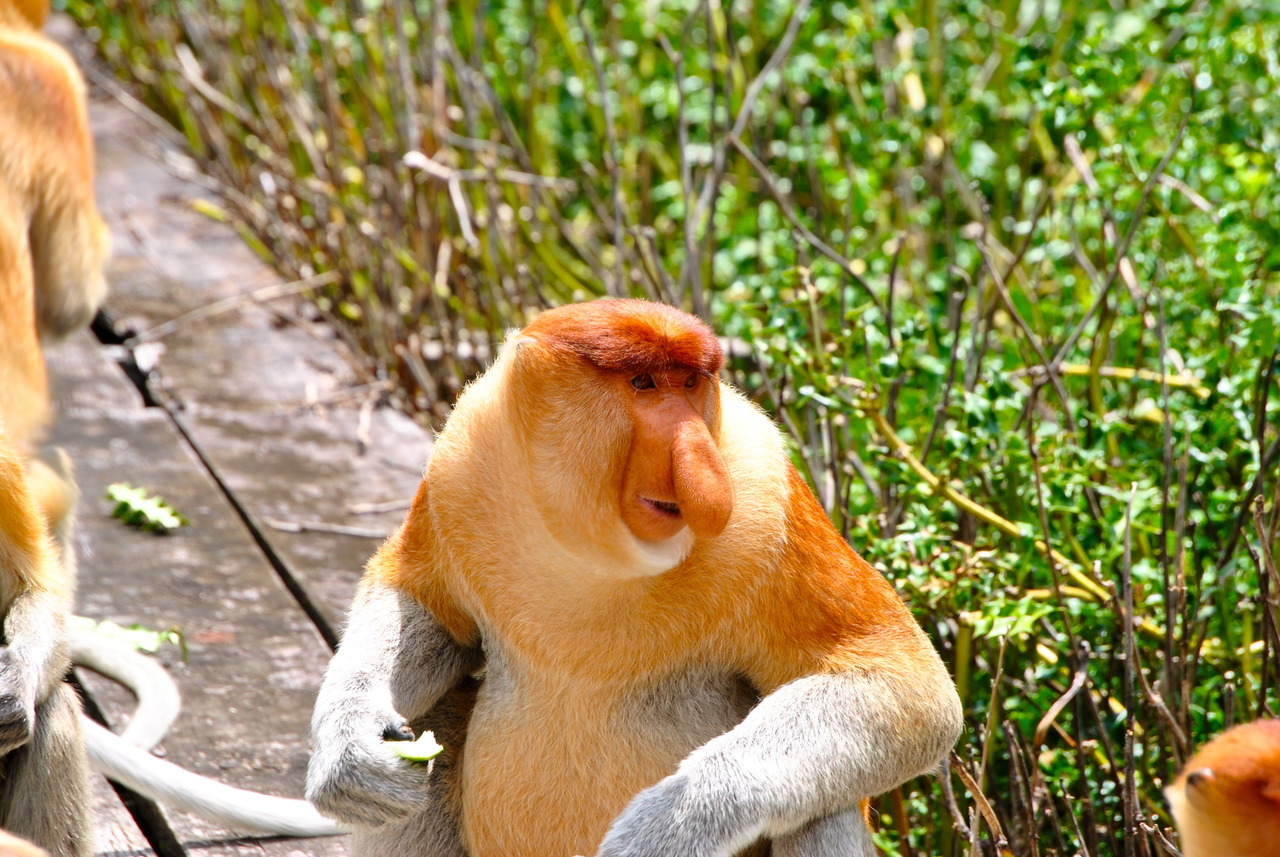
{"x": 134, "y": 506}
{"x": 138, "y": 637}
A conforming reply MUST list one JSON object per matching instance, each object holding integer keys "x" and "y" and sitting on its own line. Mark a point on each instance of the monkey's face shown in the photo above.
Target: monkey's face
{"x": 1229, "y": 794}
{"x": 617, "y": 406}
{"x": 674, "y": 476}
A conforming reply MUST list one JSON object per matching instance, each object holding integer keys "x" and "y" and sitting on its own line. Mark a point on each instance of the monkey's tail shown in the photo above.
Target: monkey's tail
{"x": 173, "y": 786}
{"x": 158, "y": 699}
{"x": 125, "y": 758}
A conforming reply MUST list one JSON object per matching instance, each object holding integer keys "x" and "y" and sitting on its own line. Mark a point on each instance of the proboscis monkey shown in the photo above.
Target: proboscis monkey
{"x": 682, "y": 657}
{"x": 1226, "y": 800}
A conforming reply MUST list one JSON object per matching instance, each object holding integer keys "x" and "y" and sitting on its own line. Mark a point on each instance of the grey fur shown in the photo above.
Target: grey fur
{"x": 32, "y": 663}
{"x": 394, "y": 664}
{"x": 166, "y": 782}
{"x": 43, "y": 772}
{"x": 843, "y": 834}
{"x": 44, "y": 786}
{"x": 809, "y": 750}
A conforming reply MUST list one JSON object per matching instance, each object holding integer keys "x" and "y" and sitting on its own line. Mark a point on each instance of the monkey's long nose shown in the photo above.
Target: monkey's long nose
{"x": 701, "y": 480}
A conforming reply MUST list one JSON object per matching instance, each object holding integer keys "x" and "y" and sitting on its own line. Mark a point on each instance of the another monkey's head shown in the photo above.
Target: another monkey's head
{"x": 1227, "y": 798}
{"x": 618, "y": 406}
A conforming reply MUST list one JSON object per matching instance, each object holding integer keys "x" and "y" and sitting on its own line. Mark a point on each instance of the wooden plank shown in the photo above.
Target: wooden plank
{"x": 256, "y": 397}
{"x": 115, "y": 832}
{"x": 255, "y": 660}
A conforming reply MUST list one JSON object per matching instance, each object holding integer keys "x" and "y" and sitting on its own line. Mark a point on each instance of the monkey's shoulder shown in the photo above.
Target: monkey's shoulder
{"x": 41, "y": 89}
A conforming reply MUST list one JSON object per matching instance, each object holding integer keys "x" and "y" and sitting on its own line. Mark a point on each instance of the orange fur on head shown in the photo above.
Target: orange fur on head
{"x": 628, "y": 336}
{"x": 1226, "y": 800}
{"x": 661, "y": 364}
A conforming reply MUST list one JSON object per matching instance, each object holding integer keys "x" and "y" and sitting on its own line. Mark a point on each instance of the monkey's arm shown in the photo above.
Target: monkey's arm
{"x": 395, "y": 662}
{"x": 809, "y": 750}
{"x": 32, "y": 663}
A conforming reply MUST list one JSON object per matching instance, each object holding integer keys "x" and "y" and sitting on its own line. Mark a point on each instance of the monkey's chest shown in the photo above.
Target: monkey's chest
{"x": 551, "y": 761}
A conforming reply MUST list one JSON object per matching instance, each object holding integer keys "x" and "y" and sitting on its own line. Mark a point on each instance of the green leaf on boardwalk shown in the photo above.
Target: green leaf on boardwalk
{"x": 135, "y": 506}
{"x": 423, "y": 749}
{"x": 137, "y": 636}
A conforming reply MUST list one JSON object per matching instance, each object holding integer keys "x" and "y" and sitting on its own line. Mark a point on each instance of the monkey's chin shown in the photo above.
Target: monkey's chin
{"x": 653, "y": 558}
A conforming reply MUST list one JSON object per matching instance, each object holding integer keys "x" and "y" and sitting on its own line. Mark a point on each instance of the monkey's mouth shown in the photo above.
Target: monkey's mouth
{"x": 672, "y": 509}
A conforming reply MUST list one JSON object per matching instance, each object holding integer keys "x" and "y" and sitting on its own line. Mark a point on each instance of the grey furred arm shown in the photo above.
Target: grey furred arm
{"x": 810, "y": 750}
{"x": 395, "y": 661}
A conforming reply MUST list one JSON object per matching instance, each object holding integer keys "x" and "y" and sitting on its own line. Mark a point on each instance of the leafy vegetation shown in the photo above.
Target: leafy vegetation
{"x": 145, "y": 511}
{"x": 1007, "y": 273}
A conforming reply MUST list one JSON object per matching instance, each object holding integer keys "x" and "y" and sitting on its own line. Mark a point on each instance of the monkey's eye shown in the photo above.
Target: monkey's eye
{"x": 1195, "y": 779}
{"x": 642, "y": 382}
{"x": 691, "y": 382}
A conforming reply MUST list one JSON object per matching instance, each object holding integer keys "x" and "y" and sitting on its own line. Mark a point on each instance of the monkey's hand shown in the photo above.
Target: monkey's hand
{"x": 680, "y": 816}
{"x": 355, "y": 776}
{"x": 17, "y": 703}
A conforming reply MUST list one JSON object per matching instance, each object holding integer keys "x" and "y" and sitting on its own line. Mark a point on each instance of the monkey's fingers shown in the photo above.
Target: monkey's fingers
{"x": 16, "y": 715}
{"x": 398, "y": 732}
{"x": 15, "y": 728}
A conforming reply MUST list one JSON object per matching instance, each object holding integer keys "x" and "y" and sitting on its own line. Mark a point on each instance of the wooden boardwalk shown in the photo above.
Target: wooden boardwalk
{"x": 250, "y": 423}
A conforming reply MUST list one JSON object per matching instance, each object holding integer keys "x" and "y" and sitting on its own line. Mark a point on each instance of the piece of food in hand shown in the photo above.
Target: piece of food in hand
{"x": 423, "y": 749}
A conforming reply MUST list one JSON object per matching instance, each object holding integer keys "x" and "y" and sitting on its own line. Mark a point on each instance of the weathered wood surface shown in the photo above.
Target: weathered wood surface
{"x": 273, "y": 407}
{"x": 116, "y": 833}
{"x": 254, "y": 659}
{"x": 256, "y": 421}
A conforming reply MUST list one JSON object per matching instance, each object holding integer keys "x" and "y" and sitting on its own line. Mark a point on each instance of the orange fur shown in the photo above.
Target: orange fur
{"x": 23, "y": 14}
{"x": 1226, "y": 800}
{"x": 53, "y": 243}
{"x": 518, "y": 534}
{"x": 53, "y": 246}
{"x": 28, "y": 560}
{"x": 12, "y": 846}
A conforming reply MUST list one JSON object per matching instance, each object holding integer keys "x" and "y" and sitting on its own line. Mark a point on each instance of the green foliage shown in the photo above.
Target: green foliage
{"x": 1007, "y": 273}
{"x": 134, "y": 506}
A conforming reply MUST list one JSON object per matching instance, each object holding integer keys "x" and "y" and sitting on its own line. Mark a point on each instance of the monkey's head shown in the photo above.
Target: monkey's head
{"x": 617, "y": 406}
{"x": 1226, "y": 800}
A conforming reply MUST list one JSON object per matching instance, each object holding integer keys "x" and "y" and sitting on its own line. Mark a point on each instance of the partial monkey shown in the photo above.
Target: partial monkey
{"x": 53, "y": 250}
{"x": 53, "y": 246}
{"x": 44, "y": 793}
{"x": 1226, "y": 800}
{"x": 680, "y": 654}
{"x": 53, "y": 242}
